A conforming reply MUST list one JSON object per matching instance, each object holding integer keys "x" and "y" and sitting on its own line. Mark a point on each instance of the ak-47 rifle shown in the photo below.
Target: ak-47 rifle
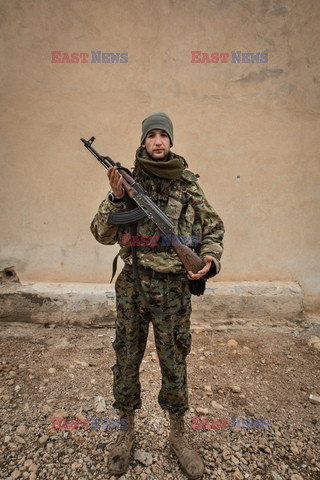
{"x": 145, "y": 208}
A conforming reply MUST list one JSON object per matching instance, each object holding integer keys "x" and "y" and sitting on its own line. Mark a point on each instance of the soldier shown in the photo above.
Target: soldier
{"x": 164, "y": 176}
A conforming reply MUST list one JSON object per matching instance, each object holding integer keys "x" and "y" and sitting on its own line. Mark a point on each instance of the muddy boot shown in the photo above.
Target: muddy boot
{"x": 119, "y": 456}
{"x": 190, "y": 462}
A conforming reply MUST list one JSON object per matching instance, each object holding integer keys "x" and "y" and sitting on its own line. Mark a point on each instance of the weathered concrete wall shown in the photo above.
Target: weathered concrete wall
{"x": 251, "y": 130}
{"x": 92, "y": 305}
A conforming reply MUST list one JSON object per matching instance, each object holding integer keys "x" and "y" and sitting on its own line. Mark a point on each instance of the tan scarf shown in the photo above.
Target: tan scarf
{"x": 172, "y": 168}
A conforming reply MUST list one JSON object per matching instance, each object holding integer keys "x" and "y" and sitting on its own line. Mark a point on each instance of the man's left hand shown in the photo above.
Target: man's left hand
{"x": 195, "y": 276}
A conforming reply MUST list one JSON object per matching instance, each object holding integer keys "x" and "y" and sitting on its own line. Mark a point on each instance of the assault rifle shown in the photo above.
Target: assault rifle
{"x": 145, "y": 208}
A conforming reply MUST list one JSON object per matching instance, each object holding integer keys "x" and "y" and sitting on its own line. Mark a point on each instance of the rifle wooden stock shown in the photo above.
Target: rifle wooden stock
{"x": 190, "y": 259}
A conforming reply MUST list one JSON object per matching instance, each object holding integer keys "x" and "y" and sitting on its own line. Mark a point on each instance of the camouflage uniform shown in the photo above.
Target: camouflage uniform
{"x": 184, "y": 203}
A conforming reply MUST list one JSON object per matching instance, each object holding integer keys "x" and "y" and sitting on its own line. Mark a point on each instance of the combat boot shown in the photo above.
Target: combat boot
{"x": 119, "y": 456}
{"x": 190, "y": 462}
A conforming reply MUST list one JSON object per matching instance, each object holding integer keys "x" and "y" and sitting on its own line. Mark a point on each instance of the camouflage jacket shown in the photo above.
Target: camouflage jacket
{"x": 185, "y": 204}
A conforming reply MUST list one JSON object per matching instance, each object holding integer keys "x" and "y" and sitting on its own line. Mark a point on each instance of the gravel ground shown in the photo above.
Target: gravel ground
{"x": 244, "y": 373}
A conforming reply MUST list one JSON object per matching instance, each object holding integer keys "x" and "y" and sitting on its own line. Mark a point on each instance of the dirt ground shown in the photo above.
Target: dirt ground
{"x": 252, "y": 373}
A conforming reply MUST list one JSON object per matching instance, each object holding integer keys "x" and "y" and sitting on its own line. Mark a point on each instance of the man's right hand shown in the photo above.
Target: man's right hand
{"x": 115, "y": 180}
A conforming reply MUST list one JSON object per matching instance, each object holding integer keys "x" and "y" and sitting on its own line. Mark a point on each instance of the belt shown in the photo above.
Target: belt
{"x": 152, "y": 273}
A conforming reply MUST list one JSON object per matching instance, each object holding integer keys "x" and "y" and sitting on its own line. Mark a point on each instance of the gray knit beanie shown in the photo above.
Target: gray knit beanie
{"x": 157, "y": 121}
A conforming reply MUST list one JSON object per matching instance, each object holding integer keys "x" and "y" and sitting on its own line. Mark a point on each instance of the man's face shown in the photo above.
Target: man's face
{"x": 157, "y": 144}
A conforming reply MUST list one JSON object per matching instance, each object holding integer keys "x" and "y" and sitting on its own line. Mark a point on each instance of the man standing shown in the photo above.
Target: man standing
{"x": 165, "y": 283}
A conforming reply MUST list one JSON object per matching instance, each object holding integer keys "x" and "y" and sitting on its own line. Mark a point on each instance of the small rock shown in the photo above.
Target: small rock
{"x": 237, "y": 475}
{"x": 143, "y": 457}
{"x": 275, "y": 476}
{"x": 46, "y": 409}
{"x": 232, "y": 343}
{"x": 294, "y": 449}
{"x": 52, "y": 370}
{"x": 33, "y": 468}
{"x": 314, "y": 342}
{"x": 217, "y": 405}
{"x": 236, "y": 389}
{"x": 234, "y": 460}
{"x": 100, "y": 404}
{"x": 21, "y": 429}
{"x": 19, "y": 439}
{"x": 82, "y": 363}
{"x": 314, "y": 398}
{"x": 138, "y": 470}
{"x": 296, "y": 476}
{"x": 226, "y": 454}
{"x": 203, "y": 411}
{"x": 43, "y": 439}
{"x": 15, "y": 474}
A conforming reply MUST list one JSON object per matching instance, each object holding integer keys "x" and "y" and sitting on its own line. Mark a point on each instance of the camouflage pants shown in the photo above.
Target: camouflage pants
{"x": 172, "y": 339}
